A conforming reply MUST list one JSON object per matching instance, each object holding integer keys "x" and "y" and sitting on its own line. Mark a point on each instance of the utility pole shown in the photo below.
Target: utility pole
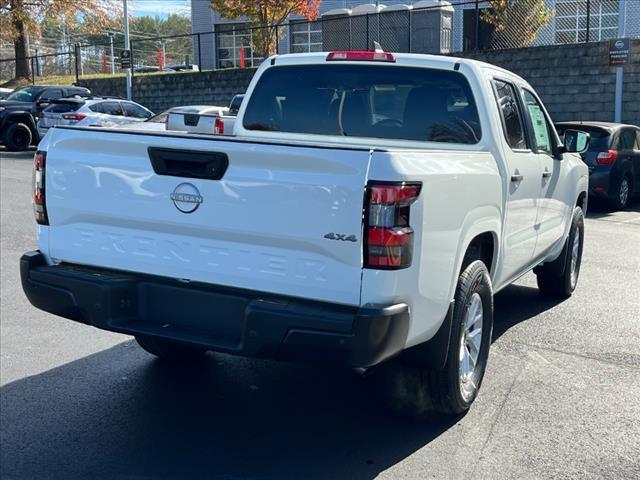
{"x": 622, "y": 19}
{"x": 164, "y": 55}
{"x": 113, "y": 61}
{"x": 127, "y": 46}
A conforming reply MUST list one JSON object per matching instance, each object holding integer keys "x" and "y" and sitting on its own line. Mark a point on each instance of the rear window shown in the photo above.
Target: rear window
{"x": 63, "y": 107}
{"x": 404, "y": 103}
{"x": 600, "y": 139}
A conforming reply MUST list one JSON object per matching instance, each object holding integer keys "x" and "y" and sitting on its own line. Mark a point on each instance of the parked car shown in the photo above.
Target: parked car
{"x": 197, "y": 119}
{"x": 613, "y": 159}
{"x": 20, "y": 112}
{"x": 183, "y": 67}
{"x": 5, "y": 92}
{"x": 146, "y": 69}
{"x": 91, "y": 111}
{"x": 206, "y": 119}
{"x": 367, "y": 211}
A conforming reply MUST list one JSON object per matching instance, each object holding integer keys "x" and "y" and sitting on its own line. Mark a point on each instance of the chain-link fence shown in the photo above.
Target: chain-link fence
{"x": 434, "y": 26}
{"x": 431, "y": 26}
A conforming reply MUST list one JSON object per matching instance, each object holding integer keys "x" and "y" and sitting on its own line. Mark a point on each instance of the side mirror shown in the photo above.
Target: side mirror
{"x": 575, "y": 141}
{"x": 43, "y": 102}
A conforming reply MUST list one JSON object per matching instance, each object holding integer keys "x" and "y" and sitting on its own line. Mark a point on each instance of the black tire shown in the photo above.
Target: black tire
{"x": 620, "y": 199}
{"x": 555, "y": 279}
{"x": 416, "y": 392}
{"x": 168, "y": 349}
{"x": 17, "y": 137}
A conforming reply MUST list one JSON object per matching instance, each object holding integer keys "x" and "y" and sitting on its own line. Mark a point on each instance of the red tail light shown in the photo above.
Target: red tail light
{"x": 360, "y": 56}
{"x": 218, "y": 127}
{"x": 607, "y": 157}
{"x": 39, "y": 198}
{"x": 388, "y": 241}
{"x": 76, "y": 117}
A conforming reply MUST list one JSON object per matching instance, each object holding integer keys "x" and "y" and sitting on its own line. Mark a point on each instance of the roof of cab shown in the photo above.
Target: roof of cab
{"x": 407, "y": 59}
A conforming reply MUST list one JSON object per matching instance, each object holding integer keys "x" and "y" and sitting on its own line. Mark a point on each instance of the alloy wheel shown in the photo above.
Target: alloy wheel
{"x": 623, "y": 193}
{"x": 470, "y": 344}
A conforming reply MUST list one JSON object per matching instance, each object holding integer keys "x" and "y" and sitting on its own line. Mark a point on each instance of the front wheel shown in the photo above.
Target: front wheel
{"x": 417, "y": 392}
{"x": 18, "y": 137}
{"x": 560, "y": 277}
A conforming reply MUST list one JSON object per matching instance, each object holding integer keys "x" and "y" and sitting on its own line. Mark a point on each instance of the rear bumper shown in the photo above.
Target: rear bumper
{"x": 599, "y": 183}
{"x": 218, "y": 318}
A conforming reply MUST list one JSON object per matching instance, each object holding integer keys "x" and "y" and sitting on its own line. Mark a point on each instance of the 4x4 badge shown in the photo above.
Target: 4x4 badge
{"x": 341, "y": 236}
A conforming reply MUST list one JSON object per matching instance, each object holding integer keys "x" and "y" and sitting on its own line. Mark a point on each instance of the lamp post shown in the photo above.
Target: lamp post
{"x": 127, "y": 46}
{"x": 113, "y": 60}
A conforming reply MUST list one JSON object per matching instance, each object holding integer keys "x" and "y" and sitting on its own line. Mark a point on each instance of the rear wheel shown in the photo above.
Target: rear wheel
{"x": 553, "y": 279}
{"x": 18, "y": 137}
{"x": 417, "y": 392}
{"x": 620, "y": 199}
{"x": 169, "y": 349}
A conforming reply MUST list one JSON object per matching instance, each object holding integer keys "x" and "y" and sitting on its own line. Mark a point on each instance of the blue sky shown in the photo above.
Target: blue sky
{"x": 161, "y": 8}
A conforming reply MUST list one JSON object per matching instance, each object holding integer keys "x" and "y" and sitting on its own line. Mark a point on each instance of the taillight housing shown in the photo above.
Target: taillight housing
{"x": 39, "y": 197}
{"x": 360, "y": 56}
{"x": 76, "y": 117}
{"x": 607, "y": 157}
{"x": 218, "y": 127}
{"x": 388, "y": 239}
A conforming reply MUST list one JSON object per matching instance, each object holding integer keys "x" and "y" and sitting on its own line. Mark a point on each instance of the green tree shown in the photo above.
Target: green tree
{"x": 177, "y": 48}
{"x": 265, "y": 14}
{"x": 20, "y": 19}
{"x": 516, "y": 22}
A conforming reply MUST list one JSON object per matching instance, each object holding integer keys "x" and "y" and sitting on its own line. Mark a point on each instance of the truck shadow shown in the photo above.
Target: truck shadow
{"x": 598, "y": 208}
{"x": 516, "y": 304}
{"x": 122, "y": 414}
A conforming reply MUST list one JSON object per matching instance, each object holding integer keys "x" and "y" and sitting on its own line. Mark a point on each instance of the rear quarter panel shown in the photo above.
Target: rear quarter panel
{"x": 461, "y": 197}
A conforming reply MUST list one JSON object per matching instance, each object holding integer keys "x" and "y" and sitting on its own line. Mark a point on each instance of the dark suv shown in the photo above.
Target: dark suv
{"x": 613, "y": 159}
{"x": 20, "y": 111}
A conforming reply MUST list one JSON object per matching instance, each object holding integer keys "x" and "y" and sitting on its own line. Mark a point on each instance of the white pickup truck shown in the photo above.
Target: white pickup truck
{"x": 366, "y": 212}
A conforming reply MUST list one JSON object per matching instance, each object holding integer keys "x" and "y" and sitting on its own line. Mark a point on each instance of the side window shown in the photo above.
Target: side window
{"x": 511, "y": 116}
{"x": 96, "y": 107}
{"x": 627, "y": 139}
{"x": 541, "y": 128}
{"x": 638, "y": 140}
{"x": 135, "y": 111}
{"x": 112, "y": 108}
{"x": 51, "y": 94}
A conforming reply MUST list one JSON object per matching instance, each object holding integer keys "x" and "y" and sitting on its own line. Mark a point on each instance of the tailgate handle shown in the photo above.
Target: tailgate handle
{"x": 191, "y": 119}
{"x": 188, "y": 163}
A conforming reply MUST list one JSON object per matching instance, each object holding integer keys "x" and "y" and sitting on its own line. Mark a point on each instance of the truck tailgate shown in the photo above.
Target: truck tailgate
{"x": 262, "y": 226}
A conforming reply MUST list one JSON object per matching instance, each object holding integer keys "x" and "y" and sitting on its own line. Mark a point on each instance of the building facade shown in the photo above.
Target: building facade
{"x": 427, "y": 26}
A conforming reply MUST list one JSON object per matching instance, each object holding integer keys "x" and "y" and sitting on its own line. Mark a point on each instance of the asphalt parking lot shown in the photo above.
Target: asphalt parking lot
{"x": 560, "y": 398}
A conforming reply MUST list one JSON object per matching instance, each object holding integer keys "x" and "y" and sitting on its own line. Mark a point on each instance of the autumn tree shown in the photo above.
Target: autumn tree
{"x": 20, "y": 19}
{"x": 265, "y": 14}
{"x": 516, "y": 22}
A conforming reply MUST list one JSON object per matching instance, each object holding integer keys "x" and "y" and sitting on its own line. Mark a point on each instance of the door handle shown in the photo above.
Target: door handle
{"x": 516, "y": 177}
{"x": 546, "y": 174}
